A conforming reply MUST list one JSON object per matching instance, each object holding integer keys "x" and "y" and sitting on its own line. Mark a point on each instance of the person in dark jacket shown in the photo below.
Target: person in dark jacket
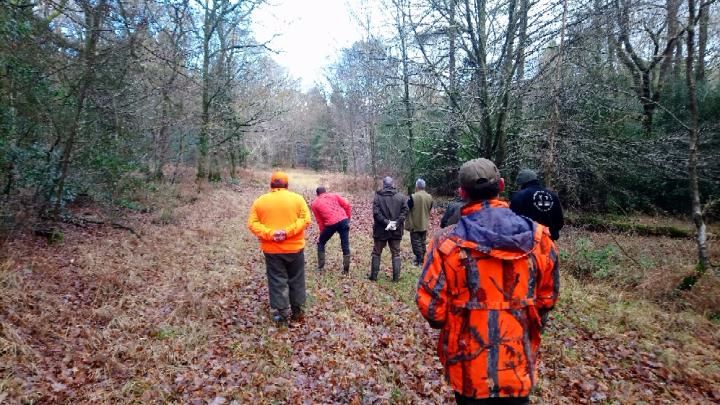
{"x": 537, "y": 203}
{"x": 452, "y": 212}
{"x": 389, "y": 212}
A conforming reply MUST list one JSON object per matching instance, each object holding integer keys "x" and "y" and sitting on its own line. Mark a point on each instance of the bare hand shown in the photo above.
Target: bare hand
{"x": 279, "y": 235}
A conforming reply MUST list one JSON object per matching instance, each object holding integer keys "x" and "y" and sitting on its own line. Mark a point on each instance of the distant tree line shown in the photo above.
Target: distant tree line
{"x": 592, "y": 94}
{"x": 615, "y": 102}
{"x": 99, "y": 97}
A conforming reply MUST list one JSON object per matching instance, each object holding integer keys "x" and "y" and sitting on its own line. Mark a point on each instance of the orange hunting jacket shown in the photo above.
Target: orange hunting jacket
{"x": 483, "y": 282}
{"x": 279, "y": 209}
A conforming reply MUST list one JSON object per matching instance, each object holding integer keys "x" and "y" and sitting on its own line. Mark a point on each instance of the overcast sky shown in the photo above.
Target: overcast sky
{"x": 310, "y": 33}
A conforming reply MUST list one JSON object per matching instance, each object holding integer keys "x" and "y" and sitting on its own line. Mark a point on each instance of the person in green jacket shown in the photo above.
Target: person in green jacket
{"x": 420, "y": 204}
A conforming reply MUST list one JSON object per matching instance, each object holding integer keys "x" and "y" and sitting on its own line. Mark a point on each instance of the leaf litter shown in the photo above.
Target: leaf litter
{"x": 181, "y": 316}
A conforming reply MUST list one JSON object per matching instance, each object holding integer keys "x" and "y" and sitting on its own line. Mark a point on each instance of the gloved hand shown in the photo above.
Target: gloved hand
{"x": 279, "y": 235}
{"x": 391, "y": 226}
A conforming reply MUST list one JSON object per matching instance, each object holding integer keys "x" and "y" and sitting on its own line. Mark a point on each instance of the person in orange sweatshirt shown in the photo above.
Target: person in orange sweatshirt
{"x": 278, "y": 219}
{"x": 488, "y": 283}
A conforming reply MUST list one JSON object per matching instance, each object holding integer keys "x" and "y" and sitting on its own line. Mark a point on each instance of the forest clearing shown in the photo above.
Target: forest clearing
{"x": 179, "y": 314}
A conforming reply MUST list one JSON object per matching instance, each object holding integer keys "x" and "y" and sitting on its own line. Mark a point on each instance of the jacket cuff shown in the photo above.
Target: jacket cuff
{"x": 436, "y": 324}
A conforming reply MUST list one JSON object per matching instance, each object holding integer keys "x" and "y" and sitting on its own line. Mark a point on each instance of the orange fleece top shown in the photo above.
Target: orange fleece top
{"x": 279, "y": 209}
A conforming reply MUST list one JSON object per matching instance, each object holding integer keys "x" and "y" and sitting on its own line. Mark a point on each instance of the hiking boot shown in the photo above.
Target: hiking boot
{"x": 396, "y": 263}
{"x": 281, "y": 316}
{"x": 346, "y": 264}
{"x": 374, "y": 268}
{"x": 298, "y": 314}
{"x": 321, "y": 261}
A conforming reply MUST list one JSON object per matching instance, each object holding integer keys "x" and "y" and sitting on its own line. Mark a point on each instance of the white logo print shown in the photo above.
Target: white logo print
{"x": 543, "y": 201}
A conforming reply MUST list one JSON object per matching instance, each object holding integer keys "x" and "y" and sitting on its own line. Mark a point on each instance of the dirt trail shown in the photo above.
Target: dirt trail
{"x": 181, "y": 315}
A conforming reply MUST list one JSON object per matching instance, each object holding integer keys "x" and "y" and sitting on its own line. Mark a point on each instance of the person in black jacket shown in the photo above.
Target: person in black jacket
{"x": 537, "y": 203}
{"x": 452, "y": 212}
{"x": 389, "y": 212}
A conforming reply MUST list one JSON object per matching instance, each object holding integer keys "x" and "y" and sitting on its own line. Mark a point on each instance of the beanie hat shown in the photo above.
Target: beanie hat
{"x": 525, "y": 176}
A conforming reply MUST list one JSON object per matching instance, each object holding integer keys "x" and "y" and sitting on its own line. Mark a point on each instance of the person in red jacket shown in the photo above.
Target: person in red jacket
{"x": 332, "y": 214}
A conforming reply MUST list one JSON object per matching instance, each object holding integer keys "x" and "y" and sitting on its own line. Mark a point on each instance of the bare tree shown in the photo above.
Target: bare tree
{"x": 693, "y": 138}
{"x": 649, "y": 73}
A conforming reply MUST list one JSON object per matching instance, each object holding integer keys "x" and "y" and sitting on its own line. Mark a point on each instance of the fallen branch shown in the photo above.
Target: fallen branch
{"x": 82, "y": 222}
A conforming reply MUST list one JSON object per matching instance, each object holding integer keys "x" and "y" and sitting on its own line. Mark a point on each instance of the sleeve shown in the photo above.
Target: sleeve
{"x": 558, "y": 217}
{"x": 515, "y": 203}
{"x": 256, "y": 226}
{"x": 403, "y": 211}
{"x": 345, "y": 205}
{"x": 432, "y": 293}
{"x": 548, "y": 277}
{"x": 303, "y": 218}
{"x": 446, "y": 216}
{"x": 315, "y": 212}
{"x": 377, "y": 212}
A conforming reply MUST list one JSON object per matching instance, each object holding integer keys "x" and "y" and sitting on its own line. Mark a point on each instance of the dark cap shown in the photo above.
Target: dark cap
{"x": 478, "y": 173}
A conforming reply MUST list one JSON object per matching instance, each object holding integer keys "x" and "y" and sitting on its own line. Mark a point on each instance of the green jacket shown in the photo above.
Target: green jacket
{"x": 420, "y": 204}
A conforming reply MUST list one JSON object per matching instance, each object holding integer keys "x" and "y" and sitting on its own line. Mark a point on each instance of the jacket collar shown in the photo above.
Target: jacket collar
{"x": 531, "y": 184}
{"x": 490, "y": 226}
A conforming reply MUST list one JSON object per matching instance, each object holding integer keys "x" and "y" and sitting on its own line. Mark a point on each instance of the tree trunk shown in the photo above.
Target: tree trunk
{"x": 203, "y": 141}
{"x": 93, "y": 20}
{"x": 693, "y": 135}
{"x": 163, "y": 143}
{"x": 214, "y": 173}
{"x": 549, "y": 161}
{"x": 406, "y": 93}
{"x": 672, "y": 28}
{"x": 233, "y": 162}
{"x": 704, "y": 18}
{"x": 522, "y": 42}
{"x": 508, "y": 70}
{"x": 450, "y": 141}
{"x": 478, "y": 57}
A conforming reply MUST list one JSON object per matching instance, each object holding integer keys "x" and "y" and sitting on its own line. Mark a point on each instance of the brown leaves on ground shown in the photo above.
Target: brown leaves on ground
{"x": 181, "y": 315}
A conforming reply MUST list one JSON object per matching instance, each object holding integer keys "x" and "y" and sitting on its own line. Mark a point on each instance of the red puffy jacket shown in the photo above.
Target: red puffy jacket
{"x": 329, "y": 209}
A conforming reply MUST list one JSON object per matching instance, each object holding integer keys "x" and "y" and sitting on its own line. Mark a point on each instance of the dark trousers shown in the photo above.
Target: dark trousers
{"x": 343, "y": 229}
{"x": 418, "y": 240}
{"x": 462, "y": 400}
{"x": 286, "y": 279}
{"x": 379, "y": 245}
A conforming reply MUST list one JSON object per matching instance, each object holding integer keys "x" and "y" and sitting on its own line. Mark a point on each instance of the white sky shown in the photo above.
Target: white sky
{"x": 310, "y": 34}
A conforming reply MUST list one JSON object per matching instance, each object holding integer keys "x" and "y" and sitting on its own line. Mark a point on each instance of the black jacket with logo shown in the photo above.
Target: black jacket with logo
{"x": 541, "y": 205}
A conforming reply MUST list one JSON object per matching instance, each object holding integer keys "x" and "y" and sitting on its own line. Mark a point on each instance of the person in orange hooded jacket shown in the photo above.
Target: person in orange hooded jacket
{"x": 488, "y": 282}
{"x": 278, "y": 219}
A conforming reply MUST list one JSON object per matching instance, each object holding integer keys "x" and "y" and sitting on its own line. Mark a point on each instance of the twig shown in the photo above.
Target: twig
{"x": 625, "y": 252}
{"x": 82, "y": 221}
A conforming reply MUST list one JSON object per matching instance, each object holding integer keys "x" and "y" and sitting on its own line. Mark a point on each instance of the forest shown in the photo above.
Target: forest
{"x": 134, "y": 135}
